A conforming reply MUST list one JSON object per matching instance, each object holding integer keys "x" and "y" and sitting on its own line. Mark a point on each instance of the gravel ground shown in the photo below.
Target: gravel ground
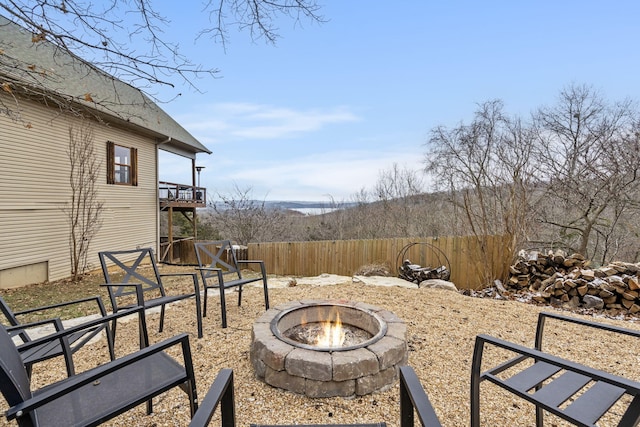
{"x": 441, "y": 327}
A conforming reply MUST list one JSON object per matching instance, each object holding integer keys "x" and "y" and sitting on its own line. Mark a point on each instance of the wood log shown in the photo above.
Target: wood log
{"x": 556, "y": 278}
{"x": 626, "y": 303}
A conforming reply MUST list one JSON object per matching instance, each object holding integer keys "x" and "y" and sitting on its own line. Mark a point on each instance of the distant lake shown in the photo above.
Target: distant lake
{"x": 313, "y": 211}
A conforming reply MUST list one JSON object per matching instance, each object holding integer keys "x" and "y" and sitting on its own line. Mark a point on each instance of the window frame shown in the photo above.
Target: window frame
{"x": 111, "y": 164}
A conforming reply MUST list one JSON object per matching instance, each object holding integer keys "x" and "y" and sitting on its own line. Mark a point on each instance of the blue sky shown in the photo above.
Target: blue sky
{"x": 328, "y": 108}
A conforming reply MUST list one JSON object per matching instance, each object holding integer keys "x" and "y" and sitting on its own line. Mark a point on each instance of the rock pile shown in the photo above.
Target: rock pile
{"x": 558, "y": 279}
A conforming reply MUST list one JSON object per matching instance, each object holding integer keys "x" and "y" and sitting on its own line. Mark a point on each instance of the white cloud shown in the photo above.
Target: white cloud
{"x": 339, "y": 174}
{"x": 238, "y": 121}
{"x": 338, "y": 162}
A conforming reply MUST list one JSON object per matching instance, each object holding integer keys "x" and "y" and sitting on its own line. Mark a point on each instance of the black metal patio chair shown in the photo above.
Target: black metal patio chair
{"x": 99, "y": 394}
{"x": 219, "y": 269}
{"x": 413, "y": 400}
{"x": 123, "y": 275}
{"x": 572, "y": 391}
{"x": 49, "y": 349}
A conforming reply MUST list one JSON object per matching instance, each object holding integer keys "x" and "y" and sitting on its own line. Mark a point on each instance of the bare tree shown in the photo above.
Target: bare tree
{"x": 245, "y": 220}
{"x": 83, "y": 210}
{"x": 113, "y": 36}
{"x": 396, "y": 189}
{"x": 589, "y": 149}
{"x": 486, "y": 168}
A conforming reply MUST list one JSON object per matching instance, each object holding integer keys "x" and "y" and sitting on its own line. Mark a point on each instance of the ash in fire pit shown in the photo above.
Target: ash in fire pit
{"x": 327, "y": 334}
{"x": 328, "y": 326}
{"x": 284, "y": 354}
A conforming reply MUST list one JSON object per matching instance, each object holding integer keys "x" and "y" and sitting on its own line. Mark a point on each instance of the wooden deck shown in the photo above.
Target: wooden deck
{"x": 181, "y": 196}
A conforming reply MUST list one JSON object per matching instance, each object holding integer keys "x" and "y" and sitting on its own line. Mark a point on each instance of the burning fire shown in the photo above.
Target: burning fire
{"x": 332, "y": 334}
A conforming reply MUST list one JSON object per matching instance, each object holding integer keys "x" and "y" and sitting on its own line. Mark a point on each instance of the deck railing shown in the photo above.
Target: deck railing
{"x": 169, "y": 192}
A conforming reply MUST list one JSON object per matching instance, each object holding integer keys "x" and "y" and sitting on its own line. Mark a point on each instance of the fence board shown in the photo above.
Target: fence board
{"x": 470, "y": 267}
{"x": 468, "y": 264}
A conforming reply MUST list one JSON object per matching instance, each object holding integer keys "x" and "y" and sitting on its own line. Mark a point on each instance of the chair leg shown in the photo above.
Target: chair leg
{"x": 114, "y": 323}
{"x": 223, "y": 307}
{"x": 475, "y": 383}
{"x": 29, "y": 369}
{"x": 161, "y": 318}
{"x": 266, "y": 294}
{"x": 68, "y": 361}
{"x": 110, "y": 346}
{"x": 199, "y": 314}
{"x": 239, "y": 295}
{"x": 631, "y": 416}
{"x": 206, "y": 292}
{"x": 193, "y": 397}
{"x": 539, "y": 417}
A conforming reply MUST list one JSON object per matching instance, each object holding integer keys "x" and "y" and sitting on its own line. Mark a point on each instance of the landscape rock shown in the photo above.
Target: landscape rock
{"x": 438, "y": 284}
{"x": 591, "y": 301}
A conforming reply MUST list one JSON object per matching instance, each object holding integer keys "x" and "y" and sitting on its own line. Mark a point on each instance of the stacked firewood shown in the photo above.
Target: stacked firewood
{"x": 418, "y": 274}
{"x": 557, "y": 279}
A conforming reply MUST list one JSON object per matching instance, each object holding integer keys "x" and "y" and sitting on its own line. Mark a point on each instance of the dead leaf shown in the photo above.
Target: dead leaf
{"x": 87, "y": 97}
{"x": 6, "y": 86}
{"x": 38, "y": 38}
{"x": 32, "y": 67}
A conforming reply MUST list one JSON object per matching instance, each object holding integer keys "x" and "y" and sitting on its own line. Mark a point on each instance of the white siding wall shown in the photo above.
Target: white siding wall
{"x": 34, "y": 185}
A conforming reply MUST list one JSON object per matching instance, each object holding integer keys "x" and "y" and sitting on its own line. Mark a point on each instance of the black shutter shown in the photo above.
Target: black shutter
{"x": 111, "y": 155}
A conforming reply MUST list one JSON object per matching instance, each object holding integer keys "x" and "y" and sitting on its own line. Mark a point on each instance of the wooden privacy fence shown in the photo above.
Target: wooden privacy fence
{"x": 470, "y": 266}
{"x": 185, "y": 253}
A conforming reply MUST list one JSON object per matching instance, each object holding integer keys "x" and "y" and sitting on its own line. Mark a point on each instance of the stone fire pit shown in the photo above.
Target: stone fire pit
{"x": 353, "y": 370}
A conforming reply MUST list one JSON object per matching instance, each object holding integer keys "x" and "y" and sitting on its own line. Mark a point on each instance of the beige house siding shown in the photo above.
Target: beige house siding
{"x": 34, "y": 185}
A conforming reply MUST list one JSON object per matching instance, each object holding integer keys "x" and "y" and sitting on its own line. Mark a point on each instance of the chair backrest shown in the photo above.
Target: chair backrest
{"x": 125, "y": 267}
{"x": 14, "y": 381}
{"x": 217, "y": 254}
{"x": 8, "y": 313}
{"x": 13, "y": 321}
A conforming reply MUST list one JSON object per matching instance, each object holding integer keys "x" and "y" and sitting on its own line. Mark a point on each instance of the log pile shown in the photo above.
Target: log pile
{"x": 418, "y": 274}
{"x": 558, "y": 279}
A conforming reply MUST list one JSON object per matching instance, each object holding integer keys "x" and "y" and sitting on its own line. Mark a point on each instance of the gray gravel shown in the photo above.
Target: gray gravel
{"x": 441, "y": 326}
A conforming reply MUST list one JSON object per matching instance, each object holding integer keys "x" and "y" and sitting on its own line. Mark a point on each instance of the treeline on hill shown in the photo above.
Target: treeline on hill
{"x": 565, "y": 178}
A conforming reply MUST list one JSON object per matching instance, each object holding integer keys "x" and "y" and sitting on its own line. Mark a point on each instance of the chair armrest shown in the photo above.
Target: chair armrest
{"x": 221, "y": 391}
{"x": 179, "y": 274}
{"x": 95, "y": 298}
{"x": 139, "y": 291}
{"x": 55, "y": 391}
{"x": 21, "y": 329}
{"x": 216, "y": 270}
{"x": 544, "y": 315}
{"x": 89, "y": 324}
{"x": 194, "y": 276}
{"x": 632, "y": 387}
{"x": 413, "y": 397}
{"x": 56, "y": 322}
{"x": 262, "y": 267}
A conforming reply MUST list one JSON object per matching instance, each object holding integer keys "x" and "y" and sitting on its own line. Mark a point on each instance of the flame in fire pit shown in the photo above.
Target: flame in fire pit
{"x": 327, "y": 327}
{"x": 332, "y": 334}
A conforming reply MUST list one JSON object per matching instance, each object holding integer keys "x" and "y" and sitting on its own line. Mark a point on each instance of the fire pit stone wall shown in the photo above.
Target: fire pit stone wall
{"x": 314, "y": 373}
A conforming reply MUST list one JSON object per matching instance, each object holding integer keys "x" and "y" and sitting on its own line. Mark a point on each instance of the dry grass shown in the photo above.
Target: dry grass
{"x": 441, "y": 326}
